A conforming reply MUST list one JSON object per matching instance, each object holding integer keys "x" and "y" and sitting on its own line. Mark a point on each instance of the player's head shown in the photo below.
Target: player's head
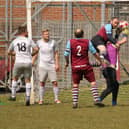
{"x": 123, "y": 24}
{"x": 124, "y": 27}
{"x": 22, "y": 30}
{"x": 45, "y": 34}
{"x": 79, "y": 33}
{"x": 114, "y": 21}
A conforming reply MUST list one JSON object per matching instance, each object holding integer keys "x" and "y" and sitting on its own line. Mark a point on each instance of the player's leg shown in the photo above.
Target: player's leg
{"x": 75, "y": 94}
{"x": 102, "y": 51}
{"x": 16, "y": 74}
{"x": 53, "y": 78}
{"x": 99, "y": 44}
{"x": 27, "y": 75}
{"x": 115, "y": 86}
{"x": 28, "y": 91}
{"x": 43, "y": 74}
{"x": 56, "y": 92}
{"x": 41, "y": 92}
{"x": 76, "y": 77}
{"x": 115, "y": 93}
{"x": 13, "y": 90}
{"x": 109, "y": 88}
{"x": 89, "y": 75}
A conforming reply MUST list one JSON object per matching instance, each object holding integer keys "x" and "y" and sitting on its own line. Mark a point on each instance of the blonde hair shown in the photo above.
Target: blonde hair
{"x": 125, "y": 31}
{"x": 45, "y": 30}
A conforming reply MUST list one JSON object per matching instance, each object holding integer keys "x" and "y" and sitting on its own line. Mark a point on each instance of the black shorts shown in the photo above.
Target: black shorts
{"x": 98, "y": 40}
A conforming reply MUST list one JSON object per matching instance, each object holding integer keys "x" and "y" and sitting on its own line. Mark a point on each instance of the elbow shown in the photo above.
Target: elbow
{"x": 8, "y": 53}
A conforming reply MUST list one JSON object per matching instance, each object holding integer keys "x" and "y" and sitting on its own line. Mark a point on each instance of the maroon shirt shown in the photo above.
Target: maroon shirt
{"x": 102, "y": 33}
{"x": 79, "y": 53}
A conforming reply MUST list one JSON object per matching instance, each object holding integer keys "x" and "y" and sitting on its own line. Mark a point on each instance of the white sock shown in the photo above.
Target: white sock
{"x": 28, "y": 90}
{"x": 56, "y": 92}
{"x": 41, "y": 92}
{"x": 14, "y": 85}
{"x": 94, "y": 90}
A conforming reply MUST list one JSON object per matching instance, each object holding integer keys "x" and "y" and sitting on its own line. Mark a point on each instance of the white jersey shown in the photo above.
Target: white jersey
{"x": 46, "y": 53}
{"x": 22, "y": 47}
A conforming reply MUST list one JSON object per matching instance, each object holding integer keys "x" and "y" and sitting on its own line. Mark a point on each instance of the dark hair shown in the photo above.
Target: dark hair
{"x": 79, "y": 33}
{"x": 22, "y": 29}
{"x": 114, "y": 18}
{"x": 118, "y": 31}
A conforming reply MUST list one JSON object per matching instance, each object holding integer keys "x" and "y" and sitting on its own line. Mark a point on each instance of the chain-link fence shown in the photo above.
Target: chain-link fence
{"x": 62, "y": 18}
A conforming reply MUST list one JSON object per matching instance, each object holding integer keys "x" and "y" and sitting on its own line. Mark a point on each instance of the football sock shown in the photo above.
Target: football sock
{"x": 28, "y": 90}
{"x": 56, "y": 92}
{"x": 114, "y": 103}
{"x": 41, "y": 92}
{"x": 75, "y": 93}
{"x": 14, "y": 85}
{"x": 95, "y": 94}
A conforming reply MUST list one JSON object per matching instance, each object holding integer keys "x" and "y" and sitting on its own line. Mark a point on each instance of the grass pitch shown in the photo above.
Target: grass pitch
{"x": 15, "y": 115}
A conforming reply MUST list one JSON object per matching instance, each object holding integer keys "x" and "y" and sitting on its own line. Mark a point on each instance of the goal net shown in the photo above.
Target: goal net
{"x": 62, "y": 18}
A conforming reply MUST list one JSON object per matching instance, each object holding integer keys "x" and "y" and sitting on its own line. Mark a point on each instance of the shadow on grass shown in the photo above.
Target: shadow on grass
{"x": 123, "y": 105}
{"x": 126, "y": 82}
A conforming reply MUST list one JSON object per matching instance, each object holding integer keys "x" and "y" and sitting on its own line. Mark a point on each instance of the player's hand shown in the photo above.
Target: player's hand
{"x": 33, "y": 64}
{"x": 66, "y": 65}
{"x": 104, "y": 64}
{"x": 117, "y": 45}
{"x": 57, "y": 68}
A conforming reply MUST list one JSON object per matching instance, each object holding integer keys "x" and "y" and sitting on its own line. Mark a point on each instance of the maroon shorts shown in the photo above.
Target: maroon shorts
{"x": 78, "y": 73}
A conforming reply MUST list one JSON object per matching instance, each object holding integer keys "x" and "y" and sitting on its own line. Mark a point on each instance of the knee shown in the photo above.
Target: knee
{"x": 14, "y": 84}
{"x": 102, "y": 49}
{"x": 42, "y": 84}
{"x": 55, "y": 83}
{"x": 108, "y": 90}
{"x": 27, "y": 80}
{"x": 75, "y": 85}
{"x": 28, "y": 85}
{"x": 93, "y": 84}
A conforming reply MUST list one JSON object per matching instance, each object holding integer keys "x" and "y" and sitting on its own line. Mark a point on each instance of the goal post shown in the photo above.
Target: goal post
{"x": 29, "y": 29}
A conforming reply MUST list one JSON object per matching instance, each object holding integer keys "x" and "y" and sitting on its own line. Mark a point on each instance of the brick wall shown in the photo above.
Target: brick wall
{"x": 52, "y": 12}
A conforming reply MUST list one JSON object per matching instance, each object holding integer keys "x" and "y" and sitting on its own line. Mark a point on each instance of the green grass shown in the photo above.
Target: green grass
{"x": 15, "y": 115}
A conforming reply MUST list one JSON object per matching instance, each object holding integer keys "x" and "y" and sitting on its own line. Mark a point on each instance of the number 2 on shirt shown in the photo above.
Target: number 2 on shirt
{"x": 79, "y": 48}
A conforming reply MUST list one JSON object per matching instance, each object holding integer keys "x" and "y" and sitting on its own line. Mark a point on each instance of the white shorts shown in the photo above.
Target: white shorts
{"x": 47, "y": 73}
{"x": 22, "y": 68}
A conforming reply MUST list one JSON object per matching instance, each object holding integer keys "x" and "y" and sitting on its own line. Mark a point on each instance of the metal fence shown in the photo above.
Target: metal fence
{"x": 62, "y": 19}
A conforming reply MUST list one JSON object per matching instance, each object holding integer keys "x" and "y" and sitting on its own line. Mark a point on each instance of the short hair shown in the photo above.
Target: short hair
{"x": 79, "y": 33}
{"x": 45, "y": 30}
{"x": 22, "y": 29}
{"x": 114, "y": 18}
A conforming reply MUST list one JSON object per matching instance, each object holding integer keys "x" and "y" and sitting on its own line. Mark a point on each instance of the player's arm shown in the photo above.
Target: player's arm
{"x": 34, "y": 58}
{"x": 122, "y": 41}
{"x": 67, "y": 53}
{"x": 34, "y": 52}
{"x": 108, "y": 28}
{"x": 35, "y": 48}
{"x": 56, "y": 55}
{"x": 11, "y": 51}
{"x": 57, "y": 60}
{"x": 94, "y": 52}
